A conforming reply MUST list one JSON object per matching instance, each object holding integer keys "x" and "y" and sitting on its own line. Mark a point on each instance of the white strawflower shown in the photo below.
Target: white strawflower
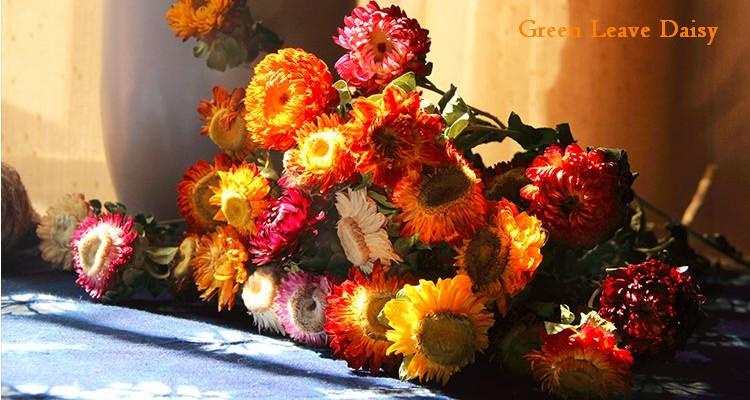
{"x": 361, "y": 230}
{"x": 258, "y": 294}
{"x": 57, "y": 227}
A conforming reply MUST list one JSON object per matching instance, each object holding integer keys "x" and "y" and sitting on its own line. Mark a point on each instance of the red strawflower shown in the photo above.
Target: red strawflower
{"x": 101, "y": 246}
{"x": 582, "y": 362}
{"x": 654, "y": 306}
{"x": 382, "y": 44}
{"x": 580, "y": 196}
{"x": 397, "y": 136}
{"x": 281, "y": 225}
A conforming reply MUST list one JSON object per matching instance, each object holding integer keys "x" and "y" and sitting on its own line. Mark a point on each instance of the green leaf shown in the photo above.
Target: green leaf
{"x": 529, "y": 137}
{"x": 236, "y": 54}
{"x": 345, "y": 96}
{"x": 566, "y": 316}
{"x": 162, "y": 255}
{"x": 269, "y": 173}
{"x": 381, "y": 199}
{"x": 96, "y": 206}
{"x": 115, "y": 208}
{"x": 201, "y": 49}
{"x": 454, "y": 109}
{"x": 447, "y": 97}
{"x": 554, "y": 328}
{"x": 407, "y": 82}
{"x": 217, "y": 57}
{"x": 545, "y": 310}
{"x": 376, "y": 98}
{"x": 458, "y": 126}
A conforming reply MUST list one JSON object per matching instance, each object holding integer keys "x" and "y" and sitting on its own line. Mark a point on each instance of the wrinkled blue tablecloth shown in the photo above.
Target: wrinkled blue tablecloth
{"x": 58, "y": 344}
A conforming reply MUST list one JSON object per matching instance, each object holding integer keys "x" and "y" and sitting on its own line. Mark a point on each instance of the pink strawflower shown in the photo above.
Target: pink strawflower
{"x": 281, "y": 225}
{"x": 302, "y": 306}
{"x": 382, "y": 44}
{"x": 100, "y": 246}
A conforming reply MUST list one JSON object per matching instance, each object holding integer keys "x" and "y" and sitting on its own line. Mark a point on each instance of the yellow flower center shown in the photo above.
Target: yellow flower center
{"x": 486, "y": 257}
{"x": 236, "y": 209}
{"x": 318, "y": 152}
{"x": 368, "y": 307}
{"x": 94, "y": 251}
{"x": 307, "y": 314}
{"x": 447, "y": 339}
{"x": 227, "y": 139}
{"x": 444, "y": 186}
{"x": 353, "y": 241}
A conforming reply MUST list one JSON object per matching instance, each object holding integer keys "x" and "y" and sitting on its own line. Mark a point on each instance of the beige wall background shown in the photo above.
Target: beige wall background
{"x": 675, "y": 105}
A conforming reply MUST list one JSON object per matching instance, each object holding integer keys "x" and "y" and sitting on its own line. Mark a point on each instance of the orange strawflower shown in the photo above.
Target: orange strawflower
{"x": 194, "y": 192}
{"x": 218, "y": 265}
{"x": 241, "y": 197}
{"x": 288, "y": 88}
{"x": 442, "y": 203}
{"x": 198, "y": 18}
{"x": 502, "y": 257}
{"x": 223, "y": 122}
{"x": 397, "y": 136}
{"x": 322, "y": 156}
{"x": 353, "y": 323}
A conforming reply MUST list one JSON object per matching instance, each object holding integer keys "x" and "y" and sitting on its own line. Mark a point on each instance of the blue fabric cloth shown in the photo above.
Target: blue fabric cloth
{"x": 58, "y": 344}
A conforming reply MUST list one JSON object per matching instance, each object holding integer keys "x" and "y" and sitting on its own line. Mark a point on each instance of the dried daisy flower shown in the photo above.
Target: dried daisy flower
{"x": 289, "y": 87}
{"x": 502, "y": 257}
{"x": 443, "y": 203}
{"x": 361, "y": 230}
{"x": 194, "y": 193}
{"x": 580, "y": 196}
{"x": 219, "y": 265}
{"x": 438, "y": 327}
{"x": 382, "y": 44}
{"x": 322, "y": 158}
{"x": 302, "y": 306}
{"x": 582, "y": 362}
{"x": 353, "y": 322}
{"x": 241, "y": 197}
{"x": 101, "y": 246}
{"x": 224, "y": 124}
{"x": 395, "y": 136}
{"x": 57, "y": 226}
{"x": 258, "y": 294}
{"x": 198, "y": 18}
{"x": 654, "y": 306}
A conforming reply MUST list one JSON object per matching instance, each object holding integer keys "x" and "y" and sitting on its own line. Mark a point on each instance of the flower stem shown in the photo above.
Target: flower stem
{"x": 427, "y": 84}
{"x": 702, "y": 237}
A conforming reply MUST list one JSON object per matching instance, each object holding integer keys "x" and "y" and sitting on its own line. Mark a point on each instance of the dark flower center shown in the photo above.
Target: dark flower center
{"x": 570, "y": 204}
{"x": 443, "y": 186}
{"x": 486, "y": 258}
{"x": 446, "y": 339}
{"x": 306, "y": 313}
{"x": 386, "y": 143}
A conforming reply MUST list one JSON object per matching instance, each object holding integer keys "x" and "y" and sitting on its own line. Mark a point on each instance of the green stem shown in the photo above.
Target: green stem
{"x": 646, "y": 204}
{"x": 427, "y": 84}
